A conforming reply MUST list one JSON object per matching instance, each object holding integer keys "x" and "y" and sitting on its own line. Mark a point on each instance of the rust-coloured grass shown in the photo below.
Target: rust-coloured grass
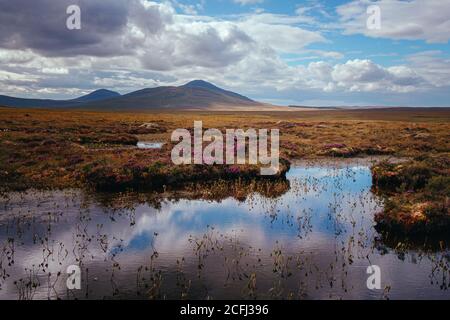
{"x": 67, "y": 148}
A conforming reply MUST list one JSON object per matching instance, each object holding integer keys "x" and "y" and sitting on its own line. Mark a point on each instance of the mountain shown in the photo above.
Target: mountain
{"x": 101, "y": 94}
{"x": 197, "y": 94}
{"x": 31, "y": 103}
{"x": 206, "y": 85}
{"x": 97, "y": 95}
{"x": 193, "y": 95}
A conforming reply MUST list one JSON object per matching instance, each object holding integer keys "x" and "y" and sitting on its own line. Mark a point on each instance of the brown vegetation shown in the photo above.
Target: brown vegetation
{"x": 417, "y": 196}
{"x": 66, "y": 149}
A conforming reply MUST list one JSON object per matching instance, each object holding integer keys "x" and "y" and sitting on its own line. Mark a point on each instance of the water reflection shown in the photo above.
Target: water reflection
{"x": 149, "y": 145}
{"x": 313, "y": 239}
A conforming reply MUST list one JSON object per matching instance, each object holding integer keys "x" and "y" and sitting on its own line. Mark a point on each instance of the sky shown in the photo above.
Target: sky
{"x": 312, "y": 52}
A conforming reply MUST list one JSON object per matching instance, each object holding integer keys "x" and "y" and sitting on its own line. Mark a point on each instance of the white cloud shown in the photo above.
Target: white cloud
{"x": 247, "y": 2}
{"x": 15, "y": 56}
{"x": 403, "y": 20}
{"x": 358, "y": 71}
{"x": 280, "y": 37}
{"x": 156, "y": 38}
{"x": 433, "y": 66}
{"x": 14, "y": 77}
{"x": 189, "y": 9}
{"x": 366, "y": 76}
{"x": 55, "y": 70}
{"x": 157, "y": 46}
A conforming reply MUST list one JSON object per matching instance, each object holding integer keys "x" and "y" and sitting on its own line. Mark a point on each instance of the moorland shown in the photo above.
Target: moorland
{"x": 58, "y": 149}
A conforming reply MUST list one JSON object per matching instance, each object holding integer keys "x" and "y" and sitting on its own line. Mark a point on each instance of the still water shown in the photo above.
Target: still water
{"x": 315, "y": 241}
{"x": 149, "y": 145}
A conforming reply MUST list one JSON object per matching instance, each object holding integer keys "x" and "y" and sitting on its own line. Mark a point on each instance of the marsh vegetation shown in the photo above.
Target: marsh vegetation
{"x": 307, "y": 234}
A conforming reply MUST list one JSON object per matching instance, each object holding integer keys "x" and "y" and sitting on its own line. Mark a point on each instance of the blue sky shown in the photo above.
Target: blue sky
{"x": 285, "y": 52}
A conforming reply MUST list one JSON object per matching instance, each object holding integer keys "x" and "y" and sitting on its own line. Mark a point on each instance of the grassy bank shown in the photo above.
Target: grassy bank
{"x": 66, "y": 149}
{"x": 44, "y": 149}
{"x": 417, "y": 196}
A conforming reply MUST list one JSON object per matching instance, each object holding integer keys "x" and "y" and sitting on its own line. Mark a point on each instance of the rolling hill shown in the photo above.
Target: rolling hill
{"x": 197, "y": 94}
{"x": 47, "y": 103}
{"x": 98, "y": 95}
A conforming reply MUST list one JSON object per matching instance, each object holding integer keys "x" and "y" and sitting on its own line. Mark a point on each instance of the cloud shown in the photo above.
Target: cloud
{"x": 55, "y": 70}
{"x": 132, "y": 35}
{"x": 400, "y": 20}
{"x": 14, "y": 78}
{"x": 433, "y": 66}
{"x": 247, "y": 2}
{"x": 198, "y": 44}
{"x": 126, "y": 45}
{"x": 40, "y": 25}
{"x": 322, "y": 76}
{"x": 281, "y": 37}
{"x": 360, "y": 76}
{"x": 151, "y": 33}
{"x": 364, "y": 75}
{"x": 358, "y": 71}
{"x": 15, "y": 56}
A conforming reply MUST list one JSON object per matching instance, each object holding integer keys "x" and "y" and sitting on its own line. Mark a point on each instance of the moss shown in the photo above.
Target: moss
{"x": 416, "y": 197}
{"x": 104, "y": 177}
{"x": 402, "y": 177}
{"x": 121, "y": 139}
{"x": 438, "y": 186}
{"x": 54, "y": 148}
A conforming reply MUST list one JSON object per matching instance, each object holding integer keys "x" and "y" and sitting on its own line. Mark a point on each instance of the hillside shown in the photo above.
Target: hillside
{"x": 196, "y": 94}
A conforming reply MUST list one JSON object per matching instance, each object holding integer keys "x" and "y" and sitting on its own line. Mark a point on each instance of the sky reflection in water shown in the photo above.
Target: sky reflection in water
{"x": 314, "y": 242}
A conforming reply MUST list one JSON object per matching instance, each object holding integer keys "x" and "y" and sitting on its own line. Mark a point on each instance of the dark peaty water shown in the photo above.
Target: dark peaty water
{"x": 314, "y": 242}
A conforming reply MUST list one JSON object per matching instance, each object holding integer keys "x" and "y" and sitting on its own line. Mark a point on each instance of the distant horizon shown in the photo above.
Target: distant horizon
{"x": 268, "y": 101}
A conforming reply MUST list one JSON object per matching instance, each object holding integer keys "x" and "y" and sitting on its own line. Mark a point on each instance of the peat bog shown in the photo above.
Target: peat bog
{"x": 371, "y": 188}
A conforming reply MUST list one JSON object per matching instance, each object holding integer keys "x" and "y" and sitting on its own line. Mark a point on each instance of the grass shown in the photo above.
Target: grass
{"x": 417, "y": 196}
{"x": 59, "y": 149}
{"x": 76, "y": 149}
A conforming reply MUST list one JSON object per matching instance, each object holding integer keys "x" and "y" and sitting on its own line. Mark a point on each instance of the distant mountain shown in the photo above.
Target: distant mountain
{"x": 206, "y": 85}
{"x": 196, "y": 94}
{"x": 193, "y": 95}
{"x": 101, "y": 94}
{"x": 31, "y": 103}
{"x": 97, "y": 95}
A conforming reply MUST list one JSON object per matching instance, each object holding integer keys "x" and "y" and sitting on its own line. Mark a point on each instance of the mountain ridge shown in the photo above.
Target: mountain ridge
{"x": 100, "y": 94}
{"x": 196, "y": 94}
